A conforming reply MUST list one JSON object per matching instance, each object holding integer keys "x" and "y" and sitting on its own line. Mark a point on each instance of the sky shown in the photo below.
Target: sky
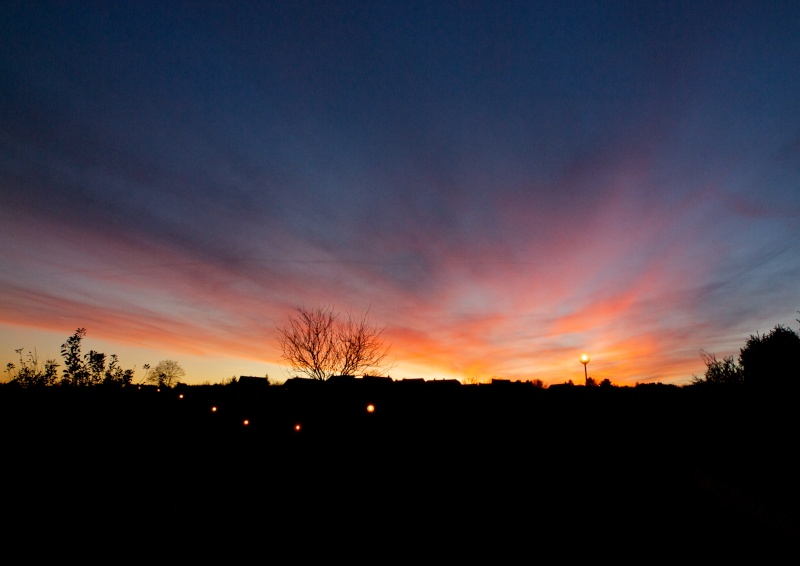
{"x": 501, "y": 185}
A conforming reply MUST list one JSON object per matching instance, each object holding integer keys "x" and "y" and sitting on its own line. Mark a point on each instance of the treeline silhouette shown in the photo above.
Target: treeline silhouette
{"x": 82, "y": 370}
{"x": 498, "y": 468}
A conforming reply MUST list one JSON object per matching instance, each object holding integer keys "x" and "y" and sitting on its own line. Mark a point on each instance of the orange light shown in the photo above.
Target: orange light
{"x": 370, "y": 408}
{"x": 213, "y": 409}
{"x": 180, "y": 396}
{"x": 246, "y": 422}
{"x": 584, "y": 359}
{"x": 297, "y": 427}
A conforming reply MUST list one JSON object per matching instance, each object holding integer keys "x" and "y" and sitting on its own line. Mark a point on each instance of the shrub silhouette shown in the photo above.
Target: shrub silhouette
{"x": 724, "y": 372}
{"x": 771, "y": 361}
{"x": 31, "y": 372}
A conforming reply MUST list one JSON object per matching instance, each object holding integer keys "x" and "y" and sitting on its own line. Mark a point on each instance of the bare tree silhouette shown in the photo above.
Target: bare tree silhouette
{"x": 317, "y": 343}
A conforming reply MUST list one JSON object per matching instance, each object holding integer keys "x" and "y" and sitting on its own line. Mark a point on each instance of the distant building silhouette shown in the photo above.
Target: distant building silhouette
{"x": 250, "y": 381}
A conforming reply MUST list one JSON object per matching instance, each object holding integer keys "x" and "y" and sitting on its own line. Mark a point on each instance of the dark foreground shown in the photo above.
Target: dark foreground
{"x": 434, "y": 474}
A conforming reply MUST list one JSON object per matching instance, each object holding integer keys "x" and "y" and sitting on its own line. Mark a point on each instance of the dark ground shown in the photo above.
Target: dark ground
{"x": 434, "y": 474}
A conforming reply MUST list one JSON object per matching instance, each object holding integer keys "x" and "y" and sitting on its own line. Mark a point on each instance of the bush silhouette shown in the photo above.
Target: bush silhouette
{"x": 724, "y": 372}
{"x": 771, "y": 361}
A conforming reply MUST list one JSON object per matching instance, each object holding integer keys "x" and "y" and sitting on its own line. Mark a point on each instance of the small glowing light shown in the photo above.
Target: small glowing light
{"x": 297, "y": 427}
{"x": 370, "y": 408}
{"x": 213, "y": 409}
{"x": 245, "y": 422}
{"x": 180, "y": 396}
{"x": 584, "y": 358}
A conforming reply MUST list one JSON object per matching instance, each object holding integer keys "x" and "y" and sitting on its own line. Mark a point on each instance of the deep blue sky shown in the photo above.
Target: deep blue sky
{"x": 503, "y": 185}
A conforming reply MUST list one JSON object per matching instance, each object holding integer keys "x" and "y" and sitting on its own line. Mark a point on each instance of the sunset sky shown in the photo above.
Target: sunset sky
{"x": 503, "y": 185}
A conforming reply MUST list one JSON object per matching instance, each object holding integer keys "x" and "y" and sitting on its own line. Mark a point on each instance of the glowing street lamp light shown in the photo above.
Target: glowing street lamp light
{"x": 585, "y": 362}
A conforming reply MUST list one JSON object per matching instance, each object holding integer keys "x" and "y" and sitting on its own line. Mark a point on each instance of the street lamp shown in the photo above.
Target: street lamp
{"x": 585, "y": 361}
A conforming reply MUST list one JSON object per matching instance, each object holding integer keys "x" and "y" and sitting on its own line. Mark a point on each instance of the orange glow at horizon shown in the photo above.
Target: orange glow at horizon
{"x": 508, "y": 322}
{"x": 529, "y": 331}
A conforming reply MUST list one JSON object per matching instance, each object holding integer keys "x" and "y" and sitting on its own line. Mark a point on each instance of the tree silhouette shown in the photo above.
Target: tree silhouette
{"x": 90, "y": 369}
{"x": 317, "y": 343}
{"x": 115, "y": 375}
{"x": 166, "y": 373}
{"x": 95, "y": 363}
{"x": 75, "y": 371}
{"x": 772, "y": 360}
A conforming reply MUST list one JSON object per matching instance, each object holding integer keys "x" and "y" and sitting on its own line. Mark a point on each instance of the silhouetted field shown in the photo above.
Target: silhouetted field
{"x": 615, "y": 472}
